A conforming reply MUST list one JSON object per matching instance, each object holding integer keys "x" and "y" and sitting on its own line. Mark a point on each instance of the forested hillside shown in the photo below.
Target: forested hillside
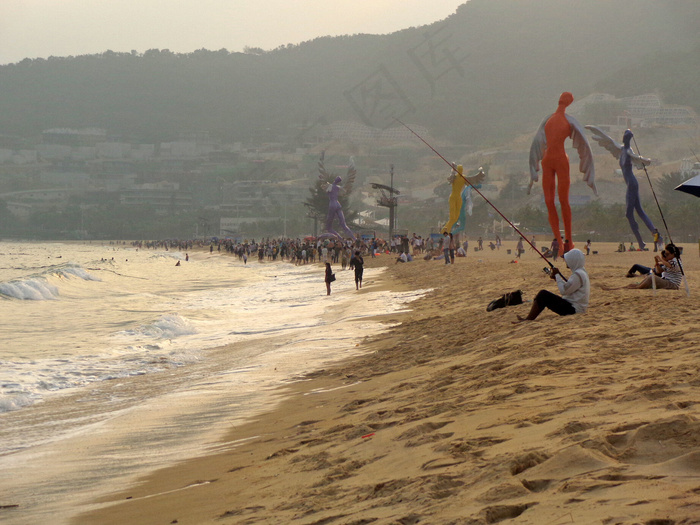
{"x": 487, "y": 73}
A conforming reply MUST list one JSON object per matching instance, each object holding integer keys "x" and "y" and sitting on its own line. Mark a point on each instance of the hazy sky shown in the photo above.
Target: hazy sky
{"x": 42, "y": 28}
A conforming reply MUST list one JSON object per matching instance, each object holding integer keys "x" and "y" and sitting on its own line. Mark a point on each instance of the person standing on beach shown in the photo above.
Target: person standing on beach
{"x": 658, "y": 243}
{"x": 555, "y": 249}
{"x": 575, "y": 292}
{"x": 357, "y": 262}
{"x": 446, "y": 246}
{"x": 329, "y": 278}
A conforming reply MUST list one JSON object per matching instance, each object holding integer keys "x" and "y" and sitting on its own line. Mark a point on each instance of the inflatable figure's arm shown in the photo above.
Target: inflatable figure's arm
{"x": 606, "y": 141}
{"x": 477, "y": 179}
{"x": 453, "y": 174}
{"x": 639, "y": 161}
{"x": 537, "y": 149}
{"x": 585, "y": 155}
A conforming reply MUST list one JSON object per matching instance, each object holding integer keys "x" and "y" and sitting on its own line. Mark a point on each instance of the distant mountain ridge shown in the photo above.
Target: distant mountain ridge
{"x": 488, "y": 72}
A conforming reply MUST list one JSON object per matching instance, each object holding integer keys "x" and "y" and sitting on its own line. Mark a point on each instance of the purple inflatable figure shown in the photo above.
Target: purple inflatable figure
{"x": 628, "y": 160}
{"x": 335, "y": 209}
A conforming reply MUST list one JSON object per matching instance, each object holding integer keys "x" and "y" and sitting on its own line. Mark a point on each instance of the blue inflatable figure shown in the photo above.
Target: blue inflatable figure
{"x": 628, "y": 159}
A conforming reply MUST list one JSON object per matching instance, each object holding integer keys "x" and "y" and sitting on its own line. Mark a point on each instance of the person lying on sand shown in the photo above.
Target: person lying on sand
{"x": 575, "y": 292}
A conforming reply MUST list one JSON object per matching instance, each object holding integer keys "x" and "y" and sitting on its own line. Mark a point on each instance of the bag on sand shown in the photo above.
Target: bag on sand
{"x": 508, "y": 299}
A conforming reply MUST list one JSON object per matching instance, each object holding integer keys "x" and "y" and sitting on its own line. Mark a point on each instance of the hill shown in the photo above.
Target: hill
{"x": 483, "y": 75}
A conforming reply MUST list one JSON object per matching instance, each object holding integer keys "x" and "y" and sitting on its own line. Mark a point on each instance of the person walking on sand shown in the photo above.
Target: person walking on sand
{"x": 357, "y": 262}
{"x": 575, "y": 292}
{"x": 330, "y": 277}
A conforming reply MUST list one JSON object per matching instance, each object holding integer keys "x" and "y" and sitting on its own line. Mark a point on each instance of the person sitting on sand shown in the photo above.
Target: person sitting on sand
{"x": 666, "y": 272}
{"x": 575, "y": 292}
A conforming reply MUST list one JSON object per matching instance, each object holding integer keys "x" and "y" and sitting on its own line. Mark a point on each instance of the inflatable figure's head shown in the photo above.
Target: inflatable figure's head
{"x": 566, "y": 99}
{"x": 337, "y": 180}
{"x": 627, "y": 138}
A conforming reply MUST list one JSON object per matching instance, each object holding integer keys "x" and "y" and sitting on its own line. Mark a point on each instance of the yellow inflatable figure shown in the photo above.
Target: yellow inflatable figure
{"x": 458, "y": 182}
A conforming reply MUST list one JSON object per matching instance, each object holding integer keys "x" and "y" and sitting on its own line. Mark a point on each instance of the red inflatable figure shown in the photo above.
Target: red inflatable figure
{"x": 548, "y": 147}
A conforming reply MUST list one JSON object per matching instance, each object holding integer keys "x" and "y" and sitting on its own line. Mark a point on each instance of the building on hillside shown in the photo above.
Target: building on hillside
{"x": 639, "y": 111}
{"x": 74, "y": 137}
{"x": 24, "y": 156}
{"x": 690, "y": 167}
{"x": 188, "y": 145}
{"x": 161, "y": 196}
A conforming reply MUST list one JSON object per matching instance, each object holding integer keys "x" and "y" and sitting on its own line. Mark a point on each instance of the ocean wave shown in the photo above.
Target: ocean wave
{"x": 31, "y": 289}
{"x": 9, "y": 402}
{"x": 38, "y": 288}
{"x": 22, "y": 384}
{"x": 168, "y": 326}
{"x": 71, "y": 270}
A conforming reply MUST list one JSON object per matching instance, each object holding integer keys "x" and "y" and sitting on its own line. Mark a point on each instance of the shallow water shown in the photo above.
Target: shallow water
{"x": 114, "y": 367}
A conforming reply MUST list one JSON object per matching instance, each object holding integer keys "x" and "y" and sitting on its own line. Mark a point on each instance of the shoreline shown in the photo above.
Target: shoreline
{"x": 458, "y": 416}
{"x": 80, "y": 443}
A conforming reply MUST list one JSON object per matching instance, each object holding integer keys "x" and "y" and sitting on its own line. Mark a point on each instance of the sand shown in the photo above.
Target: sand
{"x": 458, "y": 416}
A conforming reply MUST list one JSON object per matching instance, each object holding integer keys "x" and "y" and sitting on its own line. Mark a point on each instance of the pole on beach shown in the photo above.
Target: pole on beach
{"x": 680, "y": 264}
{"x": 481, "y": 194}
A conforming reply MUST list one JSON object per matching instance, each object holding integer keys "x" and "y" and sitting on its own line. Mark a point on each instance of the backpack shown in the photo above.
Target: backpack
{"x": 508, "y": 299}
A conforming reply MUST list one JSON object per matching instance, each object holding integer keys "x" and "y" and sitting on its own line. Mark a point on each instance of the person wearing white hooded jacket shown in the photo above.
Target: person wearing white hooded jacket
{"x": 575, "y": 292}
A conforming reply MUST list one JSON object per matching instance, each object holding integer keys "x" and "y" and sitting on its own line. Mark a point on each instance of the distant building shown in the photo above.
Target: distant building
{"x": 74, "y": 137}
{"x": 690, "y": 168}
{"x": 161, "y": 196}
{"x": 640, "y": 110}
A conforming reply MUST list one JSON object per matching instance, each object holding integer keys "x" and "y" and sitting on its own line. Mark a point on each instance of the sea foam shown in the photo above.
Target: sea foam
{"x": 38, "y": 287}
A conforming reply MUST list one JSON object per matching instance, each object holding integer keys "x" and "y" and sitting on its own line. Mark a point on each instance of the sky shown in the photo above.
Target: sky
{"x": 43, "y": 28}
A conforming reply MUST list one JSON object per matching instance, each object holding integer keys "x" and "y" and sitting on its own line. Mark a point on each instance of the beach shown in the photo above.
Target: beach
{"x": 455, "y": 415}
{"x": 121, "y": 361}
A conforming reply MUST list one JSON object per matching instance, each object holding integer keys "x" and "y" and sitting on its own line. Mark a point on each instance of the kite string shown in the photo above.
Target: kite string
{"x": 481, "y": 194}
{"x": 670, "y": 240}
{"x": 654, "y": 194}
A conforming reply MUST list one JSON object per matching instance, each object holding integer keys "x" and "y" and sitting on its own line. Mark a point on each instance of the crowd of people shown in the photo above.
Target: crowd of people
{"x": 665, "y": 273}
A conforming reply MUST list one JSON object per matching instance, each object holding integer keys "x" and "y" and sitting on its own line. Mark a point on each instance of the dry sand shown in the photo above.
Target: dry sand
{"x": 457, "y": 416}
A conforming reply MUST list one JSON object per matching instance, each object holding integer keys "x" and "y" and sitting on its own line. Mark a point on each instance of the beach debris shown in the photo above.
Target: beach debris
{"x": 282, "y": 452}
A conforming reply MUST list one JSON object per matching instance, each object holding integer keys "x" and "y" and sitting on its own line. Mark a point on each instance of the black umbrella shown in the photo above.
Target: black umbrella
{"x": 691, "y": 186}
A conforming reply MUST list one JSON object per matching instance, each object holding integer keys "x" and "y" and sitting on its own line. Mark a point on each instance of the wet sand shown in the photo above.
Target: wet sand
{"x": 458, "y": 416}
